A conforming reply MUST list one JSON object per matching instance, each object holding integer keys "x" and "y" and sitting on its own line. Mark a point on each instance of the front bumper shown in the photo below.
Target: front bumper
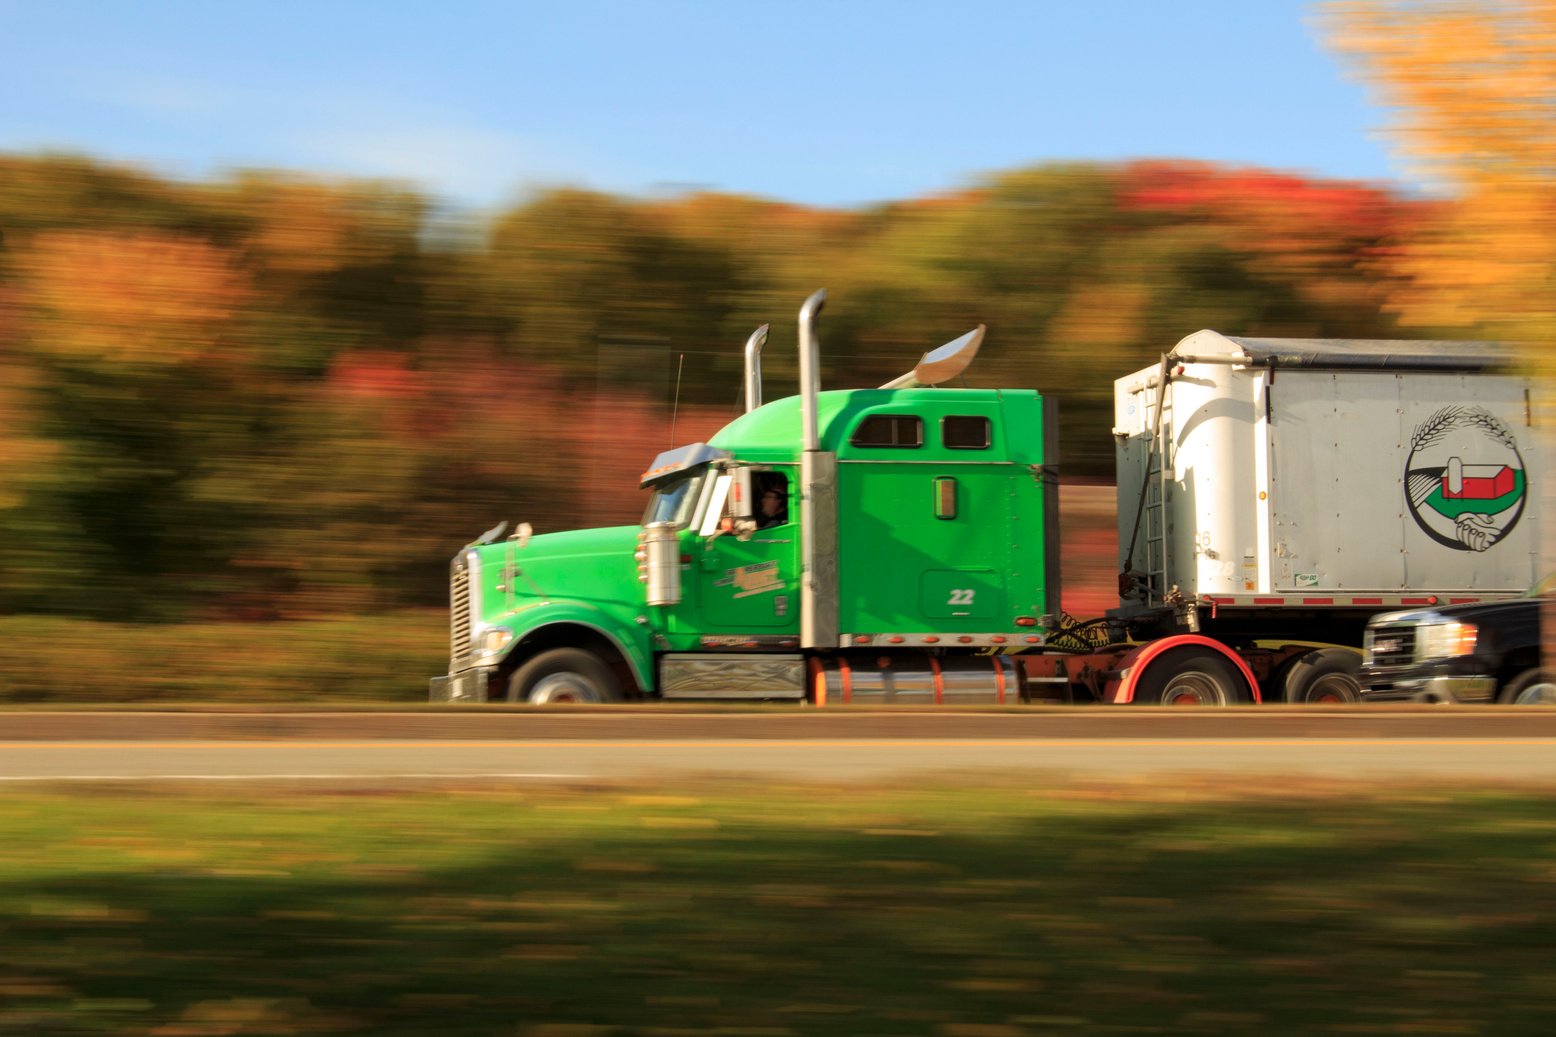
{"x": 465, "y": 686}
{"x": 1418, "y": 684}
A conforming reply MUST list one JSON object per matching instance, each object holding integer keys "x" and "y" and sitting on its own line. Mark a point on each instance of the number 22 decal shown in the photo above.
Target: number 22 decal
{"x": 961, "y": 597}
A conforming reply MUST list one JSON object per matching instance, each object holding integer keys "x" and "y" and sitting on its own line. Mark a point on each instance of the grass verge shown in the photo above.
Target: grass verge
{"x": 954, "y": 912}
{"x": 387, "y": 657}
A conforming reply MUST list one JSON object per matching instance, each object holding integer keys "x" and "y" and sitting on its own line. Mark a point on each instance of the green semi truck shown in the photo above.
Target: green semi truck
{"x": 901, "y": 544}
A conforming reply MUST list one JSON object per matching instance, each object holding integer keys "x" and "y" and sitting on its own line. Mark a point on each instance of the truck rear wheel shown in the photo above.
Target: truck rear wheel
{"x": 1190, "y": 677}
{"x": 564, "y": 675}
{"x": 1530, "y": 688}
{"x": 1323, "y": 676}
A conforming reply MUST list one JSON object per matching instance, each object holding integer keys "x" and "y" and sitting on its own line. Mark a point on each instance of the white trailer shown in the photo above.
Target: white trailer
{"x": 1281, "y": 491}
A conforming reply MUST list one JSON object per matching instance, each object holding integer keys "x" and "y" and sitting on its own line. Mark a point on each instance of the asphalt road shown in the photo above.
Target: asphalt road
{"x": 1497, "y": 744}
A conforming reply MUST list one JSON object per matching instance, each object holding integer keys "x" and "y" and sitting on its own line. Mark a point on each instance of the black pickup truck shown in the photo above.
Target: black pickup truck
{"x": 1485, "y": 652}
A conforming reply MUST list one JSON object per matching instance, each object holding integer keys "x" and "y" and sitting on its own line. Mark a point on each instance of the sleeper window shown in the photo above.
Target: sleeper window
{"x": 890, "y": 430}
{"x": 966, "y": 432}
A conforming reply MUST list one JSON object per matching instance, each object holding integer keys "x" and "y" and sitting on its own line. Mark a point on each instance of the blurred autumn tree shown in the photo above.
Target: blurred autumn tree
{"x": 117, "y": 324}
{"x": 1472, "y": 84}
{"x": 275, "y": 395}
{"x": 163, "y": 337}
{"x": 1473, "y": 88}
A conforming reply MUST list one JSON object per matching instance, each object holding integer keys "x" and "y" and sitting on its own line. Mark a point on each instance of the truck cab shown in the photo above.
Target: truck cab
{"x": 907, "y": 531}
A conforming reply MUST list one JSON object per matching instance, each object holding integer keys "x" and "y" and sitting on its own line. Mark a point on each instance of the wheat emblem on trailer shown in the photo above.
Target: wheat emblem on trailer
{"x": 1464, "y": 479}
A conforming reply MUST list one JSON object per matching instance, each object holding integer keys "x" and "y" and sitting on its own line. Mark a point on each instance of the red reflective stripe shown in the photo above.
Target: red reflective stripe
{"x": 1461, "y": 601}
{"x": 1415, "y": 601}
{"x": 1366, "y": 601}
{"x": 1269, "y": 601}
{"x": 1318, "y": 601}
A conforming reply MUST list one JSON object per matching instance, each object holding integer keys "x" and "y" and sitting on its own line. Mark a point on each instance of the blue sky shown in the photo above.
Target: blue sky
{"x": 844, "y": 103}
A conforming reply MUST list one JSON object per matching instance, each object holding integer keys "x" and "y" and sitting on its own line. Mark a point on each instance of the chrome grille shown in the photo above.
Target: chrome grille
{"x": 1390, "y": 646}
{"x": 459, "y": 611}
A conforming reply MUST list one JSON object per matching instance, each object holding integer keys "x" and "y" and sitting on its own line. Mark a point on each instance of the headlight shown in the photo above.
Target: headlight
{"x": 1442, "y": 640}
{"x": 494, "y": 639}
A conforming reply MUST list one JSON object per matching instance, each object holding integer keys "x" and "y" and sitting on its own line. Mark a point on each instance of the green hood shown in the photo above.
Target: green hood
{"x": 593, "y": 565}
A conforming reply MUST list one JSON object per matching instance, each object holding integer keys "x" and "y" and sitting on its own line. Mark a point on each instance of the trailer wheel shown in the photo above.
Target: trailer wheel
{"x": 569, "y": 675}
{"x": 1530, "y": 688}
{"x": 1189, "y": 677}
{"x": 1323, "y": 676}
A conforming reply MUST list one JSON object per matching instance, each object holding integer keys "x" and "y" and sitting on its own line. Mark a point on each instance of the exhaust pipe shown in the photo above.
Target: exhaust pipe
{"x": 810, "y": 368}
{"x": 754, "y": 346}
{"x": 818, "y": 497}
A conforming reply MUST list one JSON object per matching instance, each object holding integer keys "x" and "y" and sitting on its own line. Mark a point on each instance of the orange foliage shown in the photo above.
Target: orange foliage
{"x": 1473, "y": 89}
{"x": 309, "y": 227}
{"x": 136, "y": 299}
{"x": 1472, "y": 84}
{"x": 1100, "y": 314}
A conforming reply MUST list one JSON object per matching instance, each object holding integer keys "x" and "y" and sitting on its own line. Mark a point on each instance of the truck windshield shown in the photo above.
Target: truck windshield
{"x": 675, "y": 499}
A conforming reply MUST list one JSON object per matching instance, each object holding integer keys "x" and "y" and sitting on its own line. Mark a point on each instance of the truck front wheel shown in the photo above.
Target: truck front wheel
{"x": 564, "y": 675}
{"x": 1189, "y": 677}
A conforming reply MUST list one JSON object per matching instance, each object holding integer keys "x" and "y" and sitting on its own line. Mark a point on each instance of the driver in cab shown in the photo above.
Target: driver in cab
{"x": 772, "y": 509}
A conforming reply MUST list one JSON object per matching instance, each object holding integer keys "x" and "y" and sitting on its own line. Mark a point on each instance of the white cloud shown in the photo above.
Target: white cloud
{"x": 157, "y": 96}
{"x": 467, "y": 162}
{"x": 444, "y": 151}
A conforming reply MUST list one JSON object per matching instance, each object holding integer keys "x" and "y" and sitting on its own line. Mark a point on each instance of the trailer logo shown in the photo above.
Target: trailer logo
{"x": 1464, "y": 479}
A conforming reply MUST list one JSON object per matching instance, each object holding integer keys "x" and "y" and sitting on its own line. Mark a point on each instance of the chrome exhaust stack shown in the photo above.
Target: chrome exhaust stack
{"x": 754, "y": 346}
{"x": 818, "y": 497}
{"x": 810, "y": 368}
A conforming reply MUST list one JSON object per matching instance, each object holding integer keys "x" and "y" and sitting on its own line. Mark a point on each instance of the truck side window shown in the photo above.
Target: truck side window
{"x": 772, "y": 503}
{"x": 966, "y": 432}
{"x": 889, "y": 430}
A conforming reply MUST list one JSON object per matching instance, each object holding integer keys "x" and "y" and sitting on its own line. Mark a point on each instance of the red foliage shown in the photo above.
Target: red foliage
{"x": 1365, "y": 210}
{"x": 374, "y": 374}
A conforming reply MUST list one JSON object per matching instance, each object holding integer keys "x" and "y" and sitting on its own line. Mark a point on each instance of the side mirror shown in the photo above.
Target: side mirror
{"x": 742, "y": 501}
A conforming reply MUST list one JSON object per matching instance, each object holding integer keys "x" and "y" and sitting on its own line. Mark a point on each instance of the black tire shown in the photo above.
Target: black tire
{"x": 564, "y": 675}
{"x": 1190, "y": 677}
{"x": 1322, "y": 676}
{"x": 1531, "y": 688}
